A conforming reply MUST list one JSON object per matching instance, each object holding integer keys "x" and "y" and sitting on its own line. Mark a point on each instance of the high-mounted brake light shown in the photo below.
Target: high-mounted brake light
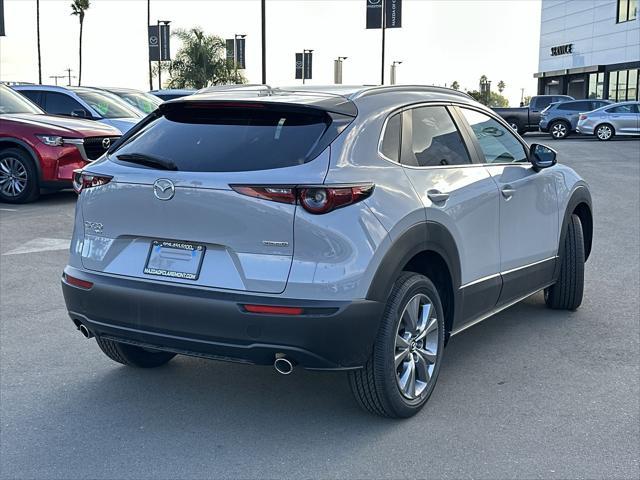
{"x": 314, "y": 199}
{"x": 83, "y": 180}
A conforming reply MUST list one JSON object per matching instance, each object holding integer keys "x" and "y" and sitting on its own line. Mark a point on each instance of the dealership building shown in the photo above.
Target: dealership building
{"x": 590, "y": 49}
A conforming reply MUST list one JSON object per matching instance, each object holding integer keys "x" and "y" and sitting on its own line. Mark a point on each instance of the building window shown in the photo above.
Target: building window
{"x": 632, "y": 85}
{"x": 627, "y": 10}
{"x": 596, "y": 85}
{"x": 623, "y": 85}
{"x": 613, "y": 86}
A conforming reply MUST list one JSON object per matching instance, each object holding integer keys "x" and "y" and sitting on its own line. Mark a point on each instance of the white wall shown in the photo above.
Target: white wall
{"x": 591, "y": 26}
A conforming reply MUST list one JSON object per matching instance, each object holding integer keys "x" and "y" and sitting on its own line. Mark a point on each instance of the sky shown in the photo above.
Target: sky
{"x": 439, "y": 42}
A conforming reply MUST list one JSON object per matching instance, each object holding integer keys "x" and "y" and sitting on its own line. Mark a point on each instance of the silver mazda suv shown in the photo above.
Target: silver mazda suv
{"x": 352, "y": 229}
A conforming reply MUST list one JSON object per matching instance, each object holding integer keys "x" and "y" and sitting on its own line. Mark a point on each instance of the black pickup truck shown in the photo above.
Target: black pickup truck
{"x": 526, "y": 119}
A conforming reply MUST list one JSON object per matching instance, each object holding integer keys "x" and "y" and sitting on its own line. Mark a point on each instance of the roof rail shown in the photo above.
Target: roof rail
{"x": 407, "y": 88}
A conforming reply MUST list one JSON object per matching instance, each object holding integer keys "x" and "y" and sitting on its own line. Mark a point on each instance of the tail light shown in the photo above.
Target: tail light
{"x": 77, "y": 282}
{"x": 314, "y": 199}
{"x": 83, "y": 180}
{"x": 583, "y": 117}
{"x": 273, "y": 310}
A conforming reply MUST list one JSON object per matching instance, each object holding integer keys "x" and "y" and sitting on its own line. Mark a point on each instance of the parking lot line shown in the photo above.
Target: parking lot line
{"x": 40, "y": 245}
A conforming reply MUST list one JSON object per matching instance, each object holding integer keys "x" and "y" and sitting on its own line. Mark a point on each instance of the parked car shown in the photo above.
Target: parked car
{"x": 172, "y": 93}
{"x": 300, "y": 229}
{"x": 606, "y": 122}
{"x": 143, "y": 101}
{"x": 561, "y": 118}
{"x": 526, "y": 119}
{"x": 42, "y": 151}
{"x": 83, "y": 102}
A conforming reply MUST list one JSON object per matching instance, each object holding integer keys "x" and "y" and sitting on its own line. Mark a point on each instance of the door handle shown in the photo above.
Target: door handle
{"x": 436, "y": 196}
{"x": 507, "y": 191}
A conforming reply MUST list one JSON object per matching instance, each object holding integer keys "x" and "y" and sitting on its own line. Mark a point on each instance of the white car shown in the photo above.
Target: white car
{"x": 81, "y": 102}
{"x": 606, "y": 122}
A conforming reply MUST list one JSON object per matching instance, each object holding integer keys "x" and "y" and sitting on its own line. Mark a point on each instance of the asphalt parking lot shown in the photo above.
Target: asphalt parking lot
{"x": 530, "y": 393}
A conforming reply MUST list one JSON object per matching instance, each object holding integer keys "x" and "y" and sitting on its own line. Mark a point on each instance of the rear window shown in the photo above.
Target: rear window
{"x": 214, "y": 138}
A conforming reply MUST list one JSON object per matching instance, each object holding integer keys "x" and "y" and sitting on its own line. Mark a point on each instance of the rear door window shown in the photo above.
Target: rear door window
{"x": 542, "y": 102}
{"x": 215, "y": 138}
{"x": 33, "y": 95}
{"x": 576, "y": 106}
{"x": 435, "y": 139}
{"x": 61, "y": 104}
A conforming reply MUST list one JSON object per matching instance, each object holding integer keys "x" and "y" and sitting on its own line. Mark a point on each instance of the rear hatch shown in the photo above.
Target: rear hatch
{"x": 169, "y": 212}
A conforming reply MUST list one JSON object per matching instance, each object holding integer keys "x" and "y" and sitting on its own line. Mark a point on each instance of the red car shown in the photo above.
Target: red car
{"x": 40, "y": 151}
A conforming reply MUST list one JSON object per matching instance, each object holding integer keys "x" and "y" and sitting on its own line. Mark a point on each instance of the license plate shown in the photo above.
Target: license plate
{"x": 175, "y": 259}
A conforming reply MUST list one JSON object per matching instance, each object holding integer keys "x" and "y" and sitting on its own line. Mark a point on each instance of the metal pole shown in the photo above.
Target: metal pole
{"x": 149, "y": 53}
{"x": 264, "y": 43}
{"x": 304, "y": 71}
{"x": 159, "y": 57}
{"x": 235, "y": 56}
{"x": 384, "y": 21}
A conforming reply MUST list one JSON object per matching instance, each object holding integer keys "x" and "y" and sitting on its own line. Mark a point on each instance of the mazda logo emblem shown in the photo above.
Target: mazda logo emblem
{"x": 106, "y": 143}
{"x": 164, "y": 189}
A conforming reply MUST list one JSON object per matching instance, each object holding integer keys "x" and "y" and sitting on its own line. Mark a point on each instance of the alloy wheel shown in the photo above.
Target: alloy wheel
{"x": 416, "y": 346}
{"x": 559, "y": 130}
{"x": 604, "y": 132}
{"x": 13, "y": 177}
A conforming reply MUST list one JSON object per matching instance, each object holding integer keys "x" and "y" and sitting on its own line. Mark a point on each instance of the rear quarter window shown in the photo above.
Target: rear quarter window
{"x": 218, "y": 139}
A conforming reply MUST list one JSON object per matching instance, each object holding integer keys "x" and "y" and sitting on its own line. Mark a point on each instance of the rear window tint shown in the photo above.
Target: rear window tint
{"x": 219, "y": 139}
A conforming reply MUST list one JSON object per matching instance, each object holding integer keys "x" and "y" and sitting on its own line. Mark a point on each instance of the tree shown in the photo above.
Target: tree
{"x": 527, "y": 99}
{"x": 455, "y": 85}
{"x": 494, "y": 99}
{"x": 38, "y": 35}
{"x": 201, "y": 61}
{"x": 501, "y": 86}
{"x": 78, "y": 8}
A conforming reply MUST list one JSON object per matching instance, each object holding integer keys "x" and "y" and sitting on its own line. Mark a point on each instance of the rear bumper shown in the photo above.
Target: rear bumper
{"x": 329, "y": 335}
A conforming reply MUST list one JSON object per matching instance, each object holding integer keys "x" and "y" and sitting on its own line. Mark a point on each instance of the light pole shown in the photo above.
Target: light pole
{"x": 235, "y": 53}
{"x": 384, "y": 25}
{"x": 394, "y": 66}
{"x": 68, "y": 70}
{"x": 264, "y": 41}
{"x": 149, "y": 49}
{"x": 304, "y": 64}
{"x": 57, "y": 77}
{"x": 337, "y": 70}
{"x": 165, "y": 22}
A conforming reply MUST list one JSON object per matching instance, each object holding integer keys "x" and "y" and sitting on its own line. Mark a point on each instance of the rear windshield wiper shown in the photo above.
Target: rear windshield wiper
{"x": 147, "y": 161}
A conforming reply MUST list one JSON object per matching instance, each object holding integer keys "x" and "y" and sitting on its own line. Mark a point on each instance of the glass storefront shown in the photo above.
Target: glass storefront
{"x": 596, "y": 85}
{"x": 623, "y": 85}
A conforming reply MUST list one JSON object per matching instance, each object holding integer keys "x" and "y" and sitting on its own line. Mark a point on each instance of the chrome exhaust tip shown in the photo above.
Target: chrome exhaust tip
{"x": 283, "y": 365}
{"x": 85, "y": 331}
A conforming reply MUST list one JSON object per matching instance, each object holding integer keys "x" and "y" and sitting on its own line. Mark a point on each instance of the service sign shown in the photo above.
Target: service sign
{"x": 562, "y": 50}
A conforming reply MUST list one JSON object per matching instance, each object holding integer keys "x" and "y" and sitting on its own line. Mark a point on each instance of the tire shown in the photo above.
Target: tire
{"x": 559, "y": 129}
{"x": 604, "y": 132}
{"x": 377, "y": 386}
{"x": 18, "y": 177}
{"x": 133, "y": 356}
{"x": 515, "y": 125}
{"x": 566, "y": 293}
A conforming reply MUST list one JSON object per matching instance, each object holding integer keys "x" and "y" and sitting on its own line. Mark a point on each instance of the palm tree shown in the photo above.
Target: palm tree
{"x": 200, "y": 62}
{"x": 455, "y": 85}
{"x": 38, "y": 34}
{"x": 501, "y": 86}
{"x": 78, "y": 7}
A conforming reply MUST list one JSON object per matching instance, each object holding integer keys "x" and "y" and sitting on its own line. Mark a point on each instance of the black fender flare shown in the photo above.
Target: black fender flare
{"x": 25, "y": 146}
{"x": 421, "y": 237}
{"x": 579, "y": 196}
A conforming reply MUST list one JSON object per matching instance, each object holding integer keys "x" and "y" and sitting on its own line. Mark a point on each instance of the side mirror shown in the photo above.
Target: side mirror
{"x": 79, "y": 113}
{"x": 541, "y": 156}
